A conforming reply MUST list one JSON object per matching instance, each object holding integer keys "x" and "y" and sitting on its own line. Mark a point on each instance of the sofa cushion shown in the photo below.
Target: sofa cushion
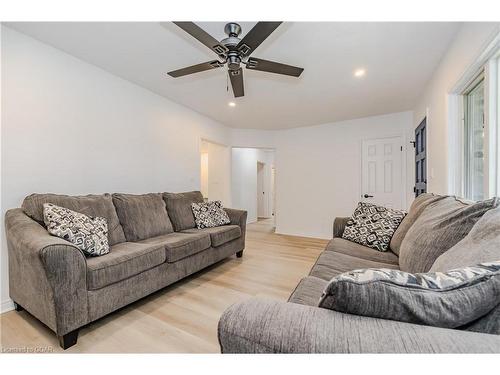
{"x": 124, "y": 260}
{"x": 179, "y": 208}
{"x": 346, "y": 247}
{"x": 416, "y": 208}
{"x": 372, "y": 225}
{"x": 439, "y": 227}
{"x": 180, "y": 245}
{"x": 331, "y": 264}
{"x": 482, "y": 244}
{"x": 308, "y": 291}
{"x": 90, "y": 205}
{"x": 448, "y": 300}
{"x": 89, "y": 234}
{"x": 142, "y": 216}
{"x": 219, "y": 235}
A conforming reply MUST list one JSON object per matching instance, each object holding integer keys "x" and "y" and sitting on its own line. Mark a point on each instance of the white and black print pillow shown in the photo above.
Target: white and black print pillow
{"x": 88, "y": 234}
{"x": 209, "y": 214}
{"x": 373, "y": 225}
{"x": 450, "y": 299}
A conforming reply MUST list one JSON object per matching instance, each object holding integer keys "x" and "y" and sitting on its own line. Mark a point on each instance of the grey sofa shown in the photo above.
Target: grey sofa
{"x": 299, "y": 326}
{"x": 153, "y": 243}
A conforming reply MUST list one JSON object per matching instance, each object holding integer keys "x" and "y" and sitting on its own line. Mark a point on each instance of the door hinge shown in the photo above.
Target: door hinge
{"x": 413, "y": 142}
{"x": 401, "y": 148}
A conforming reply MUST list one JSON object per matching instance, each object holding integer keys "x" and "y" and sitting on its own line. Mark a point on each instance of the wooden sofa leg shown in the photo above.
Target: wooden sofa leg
{"x": 239, "y": 254}
{"x": 18, "y": 307}
{"x": 68, "y": 340}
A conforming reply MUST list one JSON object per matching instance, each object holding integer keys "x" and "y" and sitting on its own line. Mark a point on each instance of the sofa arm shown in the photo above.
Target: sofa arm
{"x": 237, "y": 217}
{"x": 339, "y": 225}
{"x": 47, "y": 275}
{"x": 266, "y": 326}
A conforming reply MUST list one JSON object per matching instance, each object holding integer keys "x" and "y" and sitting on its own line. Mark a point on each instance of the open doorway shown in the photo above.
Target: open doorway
{"x": 215, "y": 171}
{"x": 253, "y": 183}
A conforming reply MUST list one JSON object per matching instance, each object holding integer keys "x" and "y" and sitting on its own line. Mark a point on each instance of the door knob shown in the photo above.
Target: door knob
{"x": 368, "y": 196}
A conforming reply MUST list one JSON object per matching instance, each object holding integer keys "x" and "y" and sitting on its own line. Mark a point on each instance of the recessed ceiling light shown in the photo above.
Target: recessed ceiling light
{"x": 231, "y": 104}
{"x": 359, "y": 73}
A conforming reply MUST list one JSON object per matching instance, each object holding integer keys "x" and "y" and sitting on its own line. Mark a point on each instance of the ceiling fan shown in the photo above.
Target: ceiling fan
{"x": 234, "y": 52}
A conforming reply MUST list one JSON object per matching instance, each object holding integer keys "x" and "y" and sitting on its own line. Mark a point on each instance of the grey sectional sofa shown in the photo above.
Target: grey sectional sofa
{"x": 300, "y": 326}
{"x": 153, "y": 243}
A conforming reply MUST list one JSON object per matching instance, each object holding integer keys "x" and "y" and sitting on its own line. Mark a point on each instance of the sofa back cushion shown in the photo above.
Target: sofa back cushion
{"x": 179, "y": 208}
{"x": 440, "y": 226}
{"x": 90, "y": 205}
{"x": 418, "y": 205}
{"x": 481, "y": 245}
{"x": 142, "y": 216}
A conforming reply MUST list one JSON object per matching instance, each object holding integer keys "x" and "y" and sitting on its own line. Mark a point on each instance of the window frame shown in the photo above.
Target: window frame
{"x": 488, "y": 63}
{"x": 466, "y": 136}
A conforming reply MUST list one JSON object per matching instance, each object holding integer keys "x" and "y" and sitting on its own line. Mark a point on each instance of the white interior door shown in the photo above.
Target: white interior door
{"x": 381, "y": 172}
{"x": 261, "y": 197}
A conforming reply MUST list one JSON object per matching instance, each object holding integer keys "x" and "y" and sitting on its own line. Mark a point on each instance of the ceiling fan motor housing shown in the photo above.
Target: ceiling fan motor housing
{"x": 233, "y": 60}
{"x": 232, "y": 29}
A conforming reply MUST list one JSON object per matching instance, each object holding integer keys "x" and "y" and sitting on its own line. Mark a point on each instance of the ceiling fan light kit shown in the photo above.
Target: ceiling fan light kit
{"x": 234, "y": 52}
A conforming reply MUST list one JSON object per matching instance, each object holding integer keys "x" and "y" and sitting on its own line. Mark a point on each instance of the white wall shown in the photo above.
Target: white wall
{"x": 69, "y": 127}
{"x": 318, "y": 174}
{"x": 465, "y": 48}
{"x": 318, "y": 169}
{"x": 219, "y": 173}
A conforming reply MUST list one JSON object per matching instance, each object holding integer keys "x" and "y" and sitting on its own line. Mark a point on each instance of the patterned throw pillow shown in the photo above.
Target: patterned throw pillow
{"x": 209, "y": 214}
{"x": 373, "y": 225}
{"x": 88, "y": 234}
{"x": 451, "y": 299}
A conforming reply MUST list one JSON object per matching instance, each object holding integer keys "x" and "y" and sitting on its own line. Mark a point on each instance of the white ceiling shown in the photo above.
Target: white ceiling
{"x": 399, "y": 59}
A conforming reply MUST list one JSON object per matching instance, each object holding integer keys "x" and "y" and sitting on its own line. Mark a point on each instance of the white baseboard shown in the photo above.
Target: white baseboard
{"x": 319, "y": 236}
{"x": 6, "y": 305}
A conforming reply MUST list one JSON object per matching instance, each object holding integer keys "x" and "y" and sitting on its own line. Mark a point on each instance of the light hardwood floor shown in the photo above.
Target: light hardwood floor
{"x": 183, "y": 317}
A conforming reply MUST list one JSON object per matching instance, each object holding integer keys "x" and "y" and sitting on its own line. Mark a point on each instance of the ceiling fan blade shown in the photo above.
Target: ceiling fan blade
{"x": 202, "y": 36}
{"x": 195, "y": 68}
{"x": 256, "y": 36}
{"x": 236, "y": 77}
{"x": 273, "y": 67}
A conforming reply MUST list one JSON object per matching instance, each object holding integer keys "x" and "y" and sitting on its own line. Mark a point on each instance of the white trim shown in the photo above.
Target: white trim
{"x": 490, "y": 128}
{"x": 472, "y": 71}
{"x": 455, "y": 136}
{"x": 7, "y": 305}
{"x": 483, "y": 63}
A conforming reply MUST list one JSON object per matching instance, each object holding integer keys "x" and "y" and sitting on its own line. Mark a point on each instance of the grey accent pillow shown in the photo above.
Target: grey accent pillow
{"x": 209, "y": 214}
{"x": 372, "y": 225}
{"x": 90, "y": 205}
{"x": 416, "y": 208}
{"x": 179, "y": 208}
{"x": 482, "y": 244}
{"x": 142, "y": 216}
{"x": 88, "y": 234}
{"x": 440, "y": 226}
{"x": 450, "y": 300}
